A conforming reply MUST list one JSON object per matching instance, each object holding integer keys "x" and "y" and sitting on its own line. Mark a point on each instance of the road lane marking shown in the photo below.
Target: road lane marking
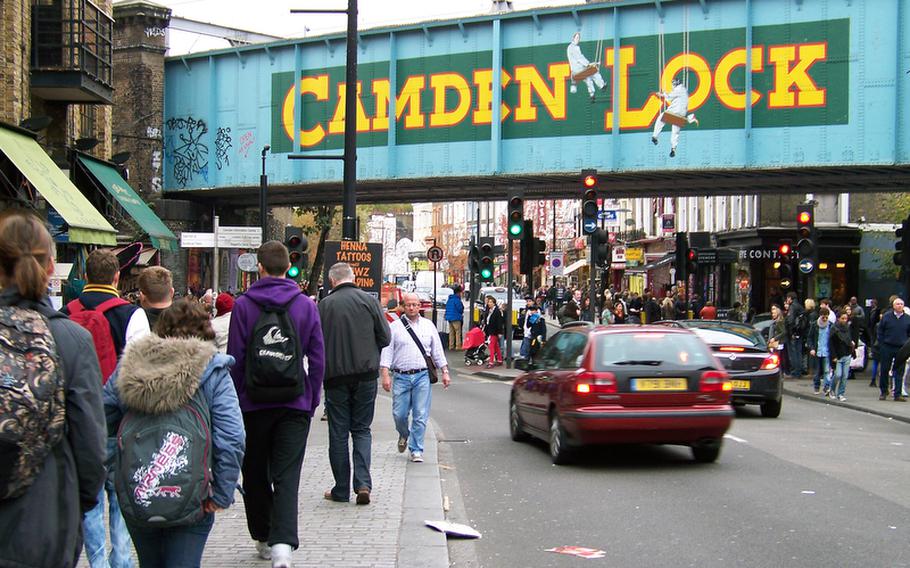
{"x": 735, "y": 439}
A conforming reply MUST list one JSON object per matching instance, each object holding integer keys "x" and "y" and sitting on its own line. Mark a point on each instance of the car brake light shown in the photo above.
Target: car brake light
{"x": 771, "y": 362}
{"x": 590, "y": 382}
{"x": 732, "y": 349}
{"x": 715, "y": 381}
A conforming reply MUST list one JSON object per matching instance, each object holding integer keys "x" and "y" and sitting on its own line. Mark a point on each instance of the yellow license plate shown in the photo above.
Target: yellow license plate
{"x": 660, "y": 384}
{"x": 741, "y": 385}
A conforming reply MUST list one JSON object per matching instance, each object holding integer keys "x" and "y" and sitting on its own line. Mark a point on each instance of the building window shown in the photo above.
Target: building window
{"x": 87, "y": 121}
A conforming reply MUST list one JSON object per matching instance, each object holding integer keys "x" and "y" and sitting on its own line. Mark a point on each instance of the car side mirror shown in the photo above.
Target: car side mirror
{"x": 523, "y": 365}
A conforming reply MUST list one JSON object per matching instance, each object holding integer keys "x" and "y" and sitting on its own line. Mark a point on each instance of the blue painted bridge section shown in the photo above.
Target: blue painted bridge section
{"x": 771, "y": 95}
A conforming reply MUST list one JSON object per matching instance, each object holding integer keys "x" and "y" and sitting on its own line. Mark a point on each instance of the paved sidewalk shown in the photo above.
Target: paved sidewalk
{"x": 387, "y": 533}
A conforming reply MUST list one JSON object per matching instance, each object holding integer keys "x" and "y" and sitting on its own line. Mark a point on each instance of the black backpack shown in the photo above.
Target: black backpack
{"x": 273, "y": 364}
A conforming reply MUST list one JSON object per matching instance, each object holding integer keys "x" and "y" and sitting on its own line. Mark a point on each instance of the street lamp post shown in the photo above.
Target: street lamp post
{"x": 263, "y": 199}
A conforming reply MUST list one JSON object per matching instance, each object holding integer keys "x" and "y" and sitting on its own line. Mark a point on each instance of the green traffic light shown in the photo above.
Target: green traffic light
{"x": 485, "y": 273}
{"x": 515, "y": 229}
{"x": 293, "y": 272}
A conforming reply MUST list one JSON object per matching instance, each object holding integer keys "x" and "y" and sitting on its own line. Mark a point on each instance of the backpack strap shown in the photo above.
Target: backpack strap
{"x": 110, "y": 304}
{"x": 75, "y": 306}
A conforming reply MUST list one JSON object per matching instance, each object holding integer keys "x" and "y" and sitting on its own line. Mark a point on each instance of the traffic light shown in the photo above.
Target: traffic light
{"x": 540, "y": 252}
{"x": 902, "y": 246}
{"x": 589, "y": 201}
{"x": 297, "y": 244}
{"x": 807, "y": 244}
{"x": 526, "y": 249}
{"x": 785, "y": 264}
{"x": 474, "y": 258}
{"x": 691, "y": 261}
{"x": 516, "y": 215}
{"x": 601, "y": 246}
{"x": 485, "y": 262}
{"x": 682, "y": 249}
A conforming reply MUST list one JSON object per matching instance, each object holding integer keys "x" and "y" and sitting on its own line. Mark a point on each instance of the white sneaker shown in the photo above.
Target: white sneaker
{"x": 416, "y": 457}
{"x": 281, "y": 555}
{"x": 263, "y": 550}
{"x": 841, "y": 398}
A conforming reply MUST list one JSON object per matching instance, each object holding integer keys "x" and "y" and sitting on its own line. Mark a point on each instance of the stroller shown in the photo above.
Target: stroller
{"x": 475, "y": 348}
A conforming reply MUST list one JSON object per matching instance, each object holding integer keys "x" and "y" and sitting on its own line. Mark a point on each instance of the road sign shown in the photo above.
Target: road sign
{"x": 247, "y": 262}
{"x": 590, "y": 226}
{"x": 806, "y": 266}
{"x": 228, "y": 237}
{"x": 609, "y": 215}
{"x": 557, "y": 263}
{"x": 434, "y": 254}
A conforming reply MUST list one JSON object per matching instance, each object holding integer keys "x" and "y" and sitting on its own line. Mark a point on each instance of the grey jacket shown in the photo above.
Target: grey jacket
{"x": 42, "y": 527}
{"x": 355, "y": 331}
{"x": 159, "y": 375}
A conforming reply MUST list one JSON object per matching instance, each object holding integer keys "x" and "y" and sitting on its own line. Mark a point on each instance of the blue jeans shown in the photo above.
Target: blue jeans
{"x": 174, "y": 547}
{"x": 841, "y": 372}
{"x": 525, "y": 349}
{"x": 822, "y": 369}
{"x": 874, "y": 371}
{"x": 350, "y": 411}
{"x": 94, "y": 530}
{"x": 886, "y": 354}
{"x": 795, "y": 353}
{"x": 411, "y": 395}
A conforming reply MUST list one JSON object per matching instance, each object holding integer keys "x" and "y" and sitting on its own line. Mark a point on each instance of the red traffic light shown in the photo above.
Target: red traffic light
{"x": 692, "y": 254}
{"x": 804, "y": 218}
{"x": 293, "y": 242}
{"x": 784, "y": 249}
{"x": 590, "y": 181}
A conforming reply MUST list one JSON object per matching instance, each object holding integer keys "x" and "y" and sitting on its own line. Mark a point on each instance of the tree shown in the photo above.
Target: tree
{"x": 316, "y": 220}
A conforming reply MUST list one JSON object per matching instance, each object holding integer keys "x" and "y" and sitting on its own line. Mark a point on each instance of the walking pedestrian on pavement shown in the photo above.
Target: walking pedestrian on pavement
{"x": 221, "y": 323}
{"x": 156, "y": 292}
{"x": 404, "y": 370}
{"x": 455, "y": 317}
{"x": 842, "y": 347}
{"x": 818, "y": 344}
{"x": 534, "y": 328}
{"x": 160, "y": 374}
{"x": 493, "y": 325}
{"x": 893, "y": 332}
{"x": 126, "y": 323}
{"x": 355, "y": 331}
{"x": 797, "y": 326}
{"x": 277, "y": 425}
{"x": 40, "y": 527}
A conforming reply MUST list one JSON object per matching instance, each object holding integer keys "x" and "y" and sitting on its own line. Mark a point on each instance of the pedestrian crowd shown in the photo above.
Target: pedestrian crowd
{"x": 161, "y": 406}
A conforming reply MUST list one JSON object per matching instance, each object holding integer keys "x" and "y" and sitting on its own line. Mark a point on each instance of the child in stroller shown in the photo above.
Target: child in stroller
{"x": 475, "y": 348}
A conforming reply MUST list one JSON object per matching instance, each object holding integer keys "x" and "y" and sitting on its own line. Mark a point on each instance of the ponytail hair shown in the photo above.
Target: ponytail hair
{"x": 26, "y": 251}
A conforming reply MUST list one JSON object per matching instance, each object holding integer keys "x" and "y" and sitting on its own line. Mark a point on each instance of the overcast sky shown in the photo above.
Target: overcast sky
{"x": 273, "y": 16}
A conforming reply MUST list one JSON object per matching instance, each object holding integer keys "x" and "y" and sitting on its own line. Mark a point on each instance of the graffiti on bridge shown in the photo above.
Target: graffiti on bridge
{"x": 222, "y": 145}
{"x": 189, "y": 155}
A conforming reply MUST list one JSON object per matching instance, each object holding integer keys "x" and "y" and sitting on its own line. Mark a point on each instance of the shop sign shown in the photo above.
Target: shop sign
{"x": 668, "y": 222}
{"x": 619, "y": 255}
{"x": 365, "y": 260}
{"x": 635, "y": 256}
{"x": 762, "y": 254}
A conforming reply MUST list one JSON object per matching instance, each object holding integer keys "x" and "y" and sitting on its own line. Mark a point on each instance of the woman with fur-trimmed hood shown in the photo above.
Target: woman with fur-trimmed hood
{"x": 159, "y": 374}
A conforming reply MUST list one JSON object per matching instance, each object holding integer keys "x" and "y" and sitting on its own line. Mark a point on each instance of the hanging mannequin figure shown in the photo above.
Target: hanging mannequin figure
{"x": 676, "y": 114}
{"x": 582, "y": 69}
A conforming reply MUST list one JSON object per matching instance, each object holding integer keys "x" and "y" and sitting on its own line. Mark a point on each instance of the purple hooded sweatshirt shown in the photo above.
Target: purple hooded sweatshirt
{"x": 274, "y": 291}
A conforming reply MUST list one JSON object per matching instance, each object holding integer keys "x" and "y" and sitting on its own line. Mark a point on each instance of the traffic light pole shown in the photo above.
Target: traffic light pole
{"x": 508, "y": 313}
{"x": 592, "y": 291}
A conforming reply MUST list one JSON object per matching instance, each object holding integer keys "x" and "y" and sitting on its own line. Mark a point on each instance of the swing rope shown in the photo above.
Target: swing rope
{"x": 661, "y": 57}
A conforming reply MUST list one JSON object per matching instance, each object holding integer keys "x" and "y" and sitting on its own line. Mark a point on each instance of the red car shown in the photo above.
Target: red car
{"x": 623, "y": 384}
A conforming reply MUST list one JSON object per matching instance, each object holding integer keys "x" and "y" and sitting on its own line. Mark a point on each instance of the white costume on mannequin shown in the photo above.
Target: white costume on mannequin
{"x": 678, "y": 101}
{"x": 578, "y": 63}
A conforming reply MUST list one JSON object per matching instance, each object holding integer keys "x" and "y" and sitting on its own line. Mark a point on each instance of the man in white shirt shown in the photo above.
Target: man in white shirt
{"x": 404, "y": 362}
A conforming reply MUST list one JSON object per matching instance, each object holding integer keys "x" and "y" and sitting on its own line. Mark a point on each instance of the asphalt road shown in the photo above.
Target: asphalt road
{"x": 819, "y": 486}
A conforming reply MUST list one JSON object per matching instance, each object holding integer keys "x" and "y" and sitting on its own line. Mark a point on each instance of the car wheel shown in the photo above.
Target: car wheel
{"x": 706, "y": 451}
{"x": 559, "y": 445}
{"x": 516, "y": 431}
{"x": 771, "y": 409}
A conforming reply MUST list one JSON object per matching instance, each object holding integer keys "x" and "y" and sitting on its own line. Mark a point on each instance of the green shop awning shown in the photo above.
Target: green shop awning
{"x": 86, "y": 224}
{"x": 126, "y": 196}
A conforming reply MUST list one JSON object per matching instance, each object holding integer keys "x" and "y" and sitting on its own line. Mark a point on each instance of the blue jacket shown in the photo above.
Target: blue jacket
{"x": 158, "y": 375}
{"x": 894, "y": 331}
{"x": 454, "y": 308}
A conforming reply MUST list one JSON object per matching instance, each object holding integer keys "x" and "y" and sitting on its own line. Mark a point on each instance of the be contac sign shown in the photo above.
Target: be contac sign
{"x": 800, "y": 66}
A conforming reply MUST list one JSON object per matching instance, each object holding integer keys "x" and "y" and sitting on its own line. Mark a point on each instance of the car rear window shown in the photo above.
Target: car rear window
{"x": 652, "y": 349}
{"x": 720, "y": 334}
